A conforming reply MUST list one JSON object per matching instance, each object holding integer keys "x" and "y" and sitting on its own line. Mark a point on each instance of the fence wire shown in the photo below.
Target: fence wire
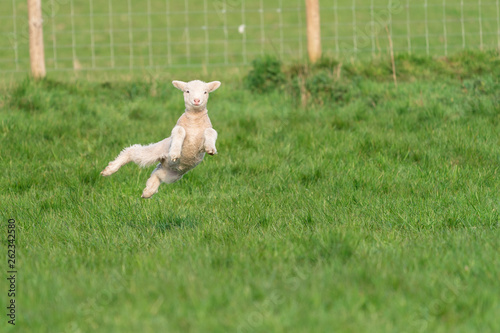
{"x": 153, "y": 34}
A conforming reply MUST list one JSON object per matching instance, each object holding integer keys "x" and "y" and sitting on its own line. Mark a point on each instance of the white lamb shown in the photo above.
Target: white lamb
{"x": 191, "y": 138}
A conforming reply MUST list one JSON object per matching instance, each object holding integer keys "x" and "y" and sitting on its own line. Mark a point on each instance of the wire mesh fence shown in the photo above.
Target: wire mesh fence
{"x": 152, "y": 34}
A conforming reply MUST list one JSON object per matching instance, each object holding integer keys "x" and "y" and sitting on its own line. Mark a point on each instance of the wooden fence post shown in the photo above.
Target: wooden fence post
{"x": 37, "y": 55}
{"x": 313, "y": 30}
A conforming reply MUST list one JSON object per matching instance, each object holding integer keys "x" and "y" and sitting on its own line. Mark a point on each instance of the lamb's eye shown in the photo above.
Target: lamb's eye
{"x": 205, "y": 92}
{"x": 187, "y": 91}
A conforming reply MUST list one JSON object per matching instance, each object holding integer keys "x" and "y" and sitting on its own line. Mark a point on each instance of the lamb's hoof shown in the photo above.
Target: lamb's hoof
{"x": 211, "y": 151}
{"x": 108, "y": 171}
{"x": 173, "y": 161}
{"x": 173, "y": 157}
{"x": 147, "y": 194}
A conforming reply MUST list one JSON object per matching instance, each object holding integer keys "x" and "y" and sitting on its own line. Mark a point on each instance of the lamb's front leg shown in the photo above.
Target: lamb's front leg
{"x": 210, "y": 138}
{"x": 178, "y": 135}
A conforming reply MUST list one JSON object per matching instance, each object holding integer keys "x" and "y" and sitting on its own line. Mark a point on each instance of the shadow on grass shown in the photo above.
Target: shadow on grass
{"x": 165, "y": 223}
{"x": 174, "y": 222}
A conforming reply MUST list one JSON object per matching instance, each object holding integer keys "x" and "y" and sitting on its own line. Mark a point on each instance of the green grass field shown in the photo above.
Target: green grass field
{"x": 371, "y": 209}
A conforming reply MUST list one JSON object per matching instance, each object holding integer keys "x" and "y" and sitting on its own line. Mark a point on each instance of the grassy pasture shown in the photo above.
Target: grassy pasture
{"x": 377, "y": 211}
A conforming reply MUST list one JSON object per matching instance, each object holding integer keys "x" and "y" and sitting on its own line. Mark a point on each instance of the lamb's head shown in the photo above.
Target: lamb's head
{"x": 196, "y": 93}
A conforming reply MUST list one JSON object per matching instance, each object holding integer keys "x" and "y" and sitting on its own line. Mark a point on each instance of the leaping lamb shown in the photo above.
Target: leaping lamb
{"x": 191, "y": 138}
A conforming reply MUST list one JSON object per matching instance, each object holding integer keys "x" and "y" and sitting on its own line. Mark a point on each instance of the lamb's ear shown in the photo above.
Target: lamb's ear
{"x": 213, "y": 85}
{"x": 179, "y": 85}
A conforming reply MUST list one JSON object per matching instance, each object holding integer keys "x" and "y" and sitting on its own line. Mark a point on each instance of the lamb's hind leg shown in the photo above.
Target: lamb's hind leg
{"x": 140, "y": 155}
{"x": 158, "y": 176}
{"x": 123, "y": 158}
